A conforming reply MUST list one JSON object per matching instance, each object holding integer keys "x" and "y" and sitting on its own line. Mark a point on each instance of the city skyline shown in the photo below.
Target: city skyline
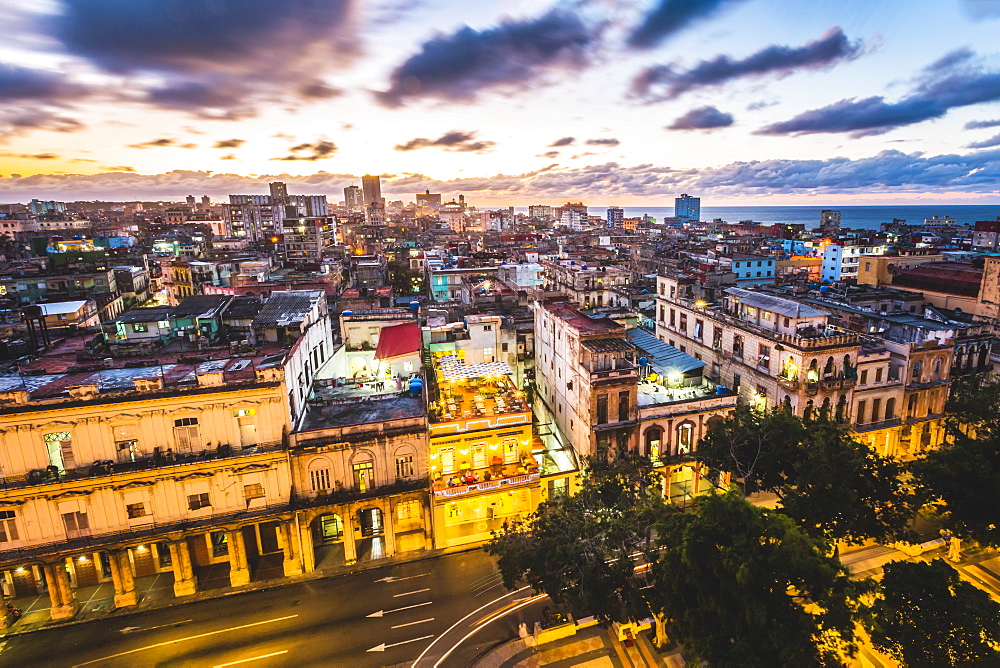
{"x": 508, "y": 103}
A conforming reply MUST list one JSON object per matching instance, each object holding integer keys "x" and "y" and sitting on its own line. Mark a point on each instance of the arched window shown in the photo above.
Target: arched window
{"x": 842, "y": 409}
{"x": 824, "y": 411}
{"x": 320, "y": 475}
{"x": 808, "y": 412}
{"x": 786, "y": 404}
{"x": 848, "y": 368}
{"x": 937, "y": 368}
{"x": 828, "y": 369}
{"x": 685, "y": 437}
{"x": 654, "y": 440}
{"x": 917, "y": 368}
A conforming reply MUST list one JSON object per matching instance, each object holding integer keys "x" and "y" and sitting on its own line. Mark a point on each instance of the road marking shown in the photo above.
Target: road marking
{"x": 427, "y": 649}
{"x": 380, "y": 613}
{"x": 399, "y": 626}
{"x": 533, "y": 599}
{"x": 391, "y": 578}
{"x": 262, "y": 656}
{"x": 488, "y": 588}
{"x": 171, "y": 642}
{"x": 134, "y": 629}
{"x": 408, "y": 593}
{"x": 383, "y": 646}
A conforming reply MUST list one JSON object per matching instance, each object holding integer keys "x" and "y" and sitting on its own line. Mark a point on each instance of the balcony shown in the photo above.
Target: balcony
{"x": 447, "y": 492}
{"x": 109, "y": 469}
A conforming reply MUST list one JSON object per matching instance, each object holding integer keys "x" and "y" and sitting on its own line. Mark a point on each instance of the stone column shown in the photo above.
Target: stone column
{"x": 350, "y": 549}
{"x": 125, "y": 592}
{"x": 292, "y": 564}
{"x": 64, "y": 605}
{"x": 239, "y": 569}
{"x": 428, "y": 520}
{"x": 308, "y": 549}
{"x": 389, "y": 529}
{"x": 185, "y": 583}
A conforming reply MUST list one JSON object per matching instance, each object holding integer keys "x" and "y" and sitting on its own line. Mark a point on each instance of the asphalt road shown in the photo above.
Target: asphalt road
{"x": 361, "y": 620}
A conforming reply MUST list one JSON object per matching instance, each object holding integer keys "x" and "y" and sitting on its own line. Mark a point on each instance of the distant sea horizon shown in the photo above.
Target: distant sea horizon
{"x": 862, "y": 217}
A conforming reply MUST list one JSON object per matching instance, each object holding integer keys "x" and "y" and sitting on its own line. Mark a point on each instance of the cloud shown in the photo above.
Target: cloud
{"x": 456, "y": 140}
{"x": 610, "y": 141}
{"x": 565, "y": 141}
{"x": 31, "y": 156}
{"x": 979, "y": 125}
{"x": 939, "y": 90}
{"x": 986, "y": 143}
{"x": 460, "y": 65}
{"x": 320, "y": 150}
{"x": 119, "y": 168}
{"x": 761, "y": 104}
{"x": 549, "y": 154}
{"x": 229, "y": 143}
{"x": 670, "y": 17}
{"x": 36, "y": 100}
{"x": 22, "y": 83}
{"x": 154, "y": 143}
{"x": 319, "y": 90}
{"x": 702, "y": 118}
{"x": 888, "y": 172}
{"x": 209, "y": 54}
{"x": 666, "y": 82}
{"x": 228, "y": 156}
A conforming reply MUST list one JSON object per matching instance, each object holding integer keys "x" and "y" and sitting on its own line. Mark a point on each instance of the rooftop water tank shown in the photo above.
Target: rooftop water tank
{"x": 643, "y": 361}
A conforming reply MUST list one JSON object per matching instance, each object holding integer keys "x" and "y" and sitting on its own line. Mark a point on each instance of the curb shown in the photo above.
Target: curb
{"x": 251, "y": 588}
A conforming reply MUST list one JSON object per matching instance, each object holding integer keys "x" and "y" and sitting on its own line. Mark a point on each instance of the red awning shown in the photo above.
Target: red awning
{"x": 398, "y": 340}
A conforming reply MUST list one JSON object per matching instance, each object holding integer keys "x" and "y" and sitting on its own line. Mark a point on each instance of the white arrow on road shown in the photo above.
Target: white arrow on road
{"x": 383, "y": 646}
{"x": 133, "y": 629}
{"x": 391, "y": 578}
{"x": 381, "y": 613}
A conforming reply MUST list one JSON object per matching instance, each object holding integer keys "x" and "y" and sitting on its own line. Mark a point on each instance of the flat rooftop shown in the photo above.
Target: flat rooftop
{"x": 582, "y": 322}
{"x": 363, "y": 411}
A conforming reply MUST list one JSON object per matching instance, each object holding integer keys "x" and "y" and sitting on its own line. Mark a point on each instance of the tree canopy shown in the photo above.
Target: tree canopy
{"x": 924, "y": 615}
{"x": 745, "y": 586}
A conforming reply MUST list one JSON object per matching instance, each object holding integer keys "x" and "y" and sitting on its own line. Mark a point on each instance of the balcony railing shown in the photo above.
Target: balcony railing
{"x": 112, "y": 469}
{"x": 486, "y": 485}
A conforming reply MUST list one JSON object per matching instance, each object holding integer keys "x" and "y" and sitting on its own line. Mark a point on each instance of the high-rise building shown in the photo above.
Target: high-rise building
{"x": 616, "y": 216}
{"x": 371, "y": 187}
{"x": 279, "y": 193}
{"x": 429, "y": 200}
{"x": 829, "y": 221}
{"x": 688, "y": 207}
{"x": 206, "y": 201}
{"x": 352, "y": 197}
{"x": 190, "y": 201}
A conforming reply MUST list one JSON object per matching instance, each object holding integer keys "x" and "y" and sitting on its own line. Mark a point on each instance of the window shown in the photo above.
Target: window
{"x": 404, "y": 466}
{"x": 673, "y": 315}
{"x": 662, "y": 313}
{"x": 911, "y": 405}
{"x": 75, "y": 523}
{"x": 558, "y": 487}
{"x": 364, "y": 476}
{"x": 764, "y": 355}
{"x": 140, "y": 327}
{"x": 861, "y": 412}
{"x": 684, "y": 323}
{"x": 503, "y": 347}
{"x": 487, "y": 328}
{"x": 864, "y": 377}
{"x": 488, "y": 354}
{"x": 510, "y": 451}
{"x": 699, "y": 327}
{"x": 917, "y": 368}
{"x": 602, "y": 408}
{"x": 890, "y": 409}
{"x": 8, "y": 526}
{"x": 408, "y": 511}
{"x": 737, "y": 346}
{"x": 196, "y": 501}
{"x": 319, "y": 480}
{"x": 447, "y": 460}
{"x": 186, "y": 436}
{"x": 685, "y": 437}
{"x": 220, "y": 543}
{"x": 878, "y": 375}
{"x": 876, "y": 407}
{"x": 253, "y": 491}
{"x": 59, "y": 446}
{"x": 136, "y": 510}
{"x": 623, "y": 403}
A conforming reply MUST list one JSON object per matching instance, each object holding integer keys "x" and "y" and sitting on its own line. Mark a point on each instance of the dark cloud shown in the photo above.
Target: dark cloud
{"x": 21, "y": 83}
{"x": 986, "y": 143}
{"x": 672, "y": 16}
{"x": 939, "y": 90}
{"x": 456, "y": 140}
{"x": 979, "y": 125}
{"x": 319, "y": 90}
{"x": 666, "y": 82}
{"x": 154, "y": 143}
{"x": 460, "y": 65}
{"x": 31, "y": 156}
{"x": 230, "y": 143}
{"x": 609, "y": 141}
{"x": 889, "y": 172}
{"x": 565, "y": 141}
{"x": 211, "y": 54}
{"x": 702, "y": 118}
{"x": 320, "y": 150}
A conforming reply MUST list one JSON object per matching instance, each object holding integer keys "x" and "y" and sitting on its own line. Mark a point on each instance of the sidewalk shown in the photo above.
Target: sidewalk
{"x": 156, "y": 592}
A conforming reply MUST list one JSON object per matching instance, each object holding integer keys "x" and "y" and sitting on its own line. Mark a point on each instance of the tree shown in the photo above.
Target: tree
{"x": 961, "y": 480}
{"x": 745, "y": 586}
{"x": 924, "y": 615}
{"x": 836, "y": 487}
{"x": 972, "y": 406}
{"x": 753, "y": 446}
{"x": 582, "y": 550}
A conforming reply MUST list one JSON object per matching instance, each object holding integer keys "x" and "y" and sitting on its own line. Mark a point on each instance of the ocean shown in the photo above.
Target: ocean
{"x": 864, "y": 217}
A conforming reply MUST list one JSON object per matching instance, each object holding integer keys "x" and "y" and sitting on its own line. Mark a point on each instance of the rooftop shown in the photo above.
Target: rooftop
{"x": 580, "y": 321}
{"x": 779, "y": 305}
{"x": 344, "y": 411}
{"x": 286, "y": 308}
{"x": 662, "y": 357}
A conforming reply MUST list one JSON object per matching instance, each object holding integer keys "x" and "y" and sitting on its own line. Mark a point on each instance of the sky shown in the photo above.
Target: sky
{"x": 516, "y": 102}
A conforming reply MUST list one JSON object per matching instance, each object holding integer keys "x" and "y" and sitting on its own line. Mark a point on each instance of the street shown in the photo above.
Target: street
{"x": 378, "y": 617}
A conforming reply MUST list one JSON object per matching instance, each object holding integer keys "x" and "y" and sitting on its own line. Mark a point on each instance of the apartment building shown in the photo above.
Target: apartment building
{"x": 841, "y": 260}
{"x": 585, "y": 286}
